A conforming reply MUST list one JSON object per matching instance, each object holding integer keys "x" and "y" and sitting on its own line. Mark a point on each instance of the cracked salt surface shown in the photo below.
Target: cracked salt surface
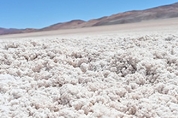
{"x": 100, "y": 76}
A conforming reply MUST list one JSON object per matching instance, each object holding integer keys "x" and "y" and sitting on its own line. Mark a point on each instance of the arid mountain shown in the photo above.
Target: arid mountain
{"x": 161, "y": 12}
{"x": 16, "y": 31}
{"x": 9, "y": 31}
{"x": 65, "y": 25}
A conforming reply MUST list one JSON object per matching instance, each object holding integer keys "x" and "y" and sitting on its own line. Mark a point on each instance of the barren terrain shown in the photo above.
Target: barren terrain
{"x": 119, "y": 71}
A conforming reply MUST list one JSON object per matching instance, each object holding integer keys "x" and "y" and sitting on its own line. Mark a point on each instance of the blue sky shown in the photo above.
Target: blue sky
{"x": 41, "y": 13}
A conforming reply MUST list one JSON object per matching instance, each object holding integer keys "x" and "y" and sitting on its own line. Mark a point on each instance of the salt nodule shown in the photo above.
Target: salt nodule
{"x": 97, "y": 77}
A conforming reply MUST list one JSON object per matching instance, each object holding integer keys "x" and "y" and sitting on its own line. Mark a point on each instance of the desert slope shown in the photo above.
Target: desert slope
{"x": 130, "y": 72}
{"x": 160, "y": 12}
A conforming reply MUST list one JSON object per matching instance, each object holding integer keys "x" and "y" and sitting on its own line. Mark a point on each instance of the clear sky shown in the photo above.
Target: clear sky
{"x": 41, "y": 13}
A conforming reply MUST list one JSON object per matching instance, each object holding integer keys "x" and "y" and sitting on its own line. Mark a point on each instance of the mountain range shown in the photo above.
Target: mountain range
{"x": 161, "y": 12}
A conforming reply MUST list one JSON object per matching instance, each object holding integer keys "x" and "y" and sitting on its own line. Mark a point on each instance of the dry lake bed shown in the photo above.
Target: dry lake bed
{"x": 116, "y": 71}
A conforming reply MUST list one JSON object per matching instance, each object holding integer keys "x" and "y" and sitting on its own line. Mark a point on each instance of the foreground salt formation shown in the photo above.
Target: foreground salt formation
{"x": 109, "y": 76}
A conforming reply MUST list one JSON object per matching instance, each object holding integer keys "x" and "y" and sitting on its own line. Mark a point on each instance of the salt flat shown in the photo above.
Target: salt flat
{"x": 150, "y": 26}
{"x": 117, "y": 71}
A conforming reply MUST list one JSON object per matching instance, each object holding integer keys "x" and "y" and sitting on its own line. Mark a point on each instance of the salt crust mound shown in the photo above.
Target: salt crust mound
{"x": 91, "y": 77}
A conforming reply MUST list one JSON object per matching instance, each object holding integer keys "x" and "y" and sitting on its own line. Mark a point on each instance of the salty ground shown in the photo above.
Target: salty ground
{"x": 121, "y": 71}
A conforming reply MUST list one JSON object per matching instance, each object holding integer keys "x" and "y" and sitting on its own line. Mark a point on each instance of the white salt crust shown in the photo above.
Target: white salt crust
{"x": 103, "y": 76}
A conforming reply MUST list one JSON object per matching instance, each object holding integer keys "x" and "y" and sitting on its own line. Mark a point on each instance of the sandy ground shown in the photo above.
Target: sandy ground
{"x": 150, "y": 26}
{"x": 122, "y": 71}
